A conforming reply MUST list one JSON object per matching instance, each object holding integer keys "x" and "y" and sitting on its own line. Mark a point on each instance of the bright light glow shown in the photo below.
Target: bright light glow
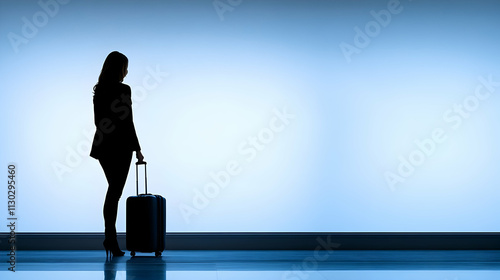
{"x": 206, "y": 82}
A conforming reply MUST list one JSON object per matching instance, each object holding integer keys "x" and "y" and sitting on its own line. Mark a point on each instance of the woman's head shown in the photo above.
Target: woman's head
{"x": 114, "y": 68}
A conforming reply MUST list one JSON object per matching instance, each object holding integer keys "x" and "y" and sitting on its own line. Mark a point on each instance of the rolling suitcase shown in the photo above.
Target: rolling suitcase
{"x": 146, "y": 219}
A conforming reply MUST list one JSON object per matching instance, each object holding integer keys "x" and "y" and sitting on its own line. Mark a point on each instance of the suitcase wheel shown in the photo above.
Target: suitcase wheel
{"x": 132, "y": 254}
{"x": 157, "y": 254}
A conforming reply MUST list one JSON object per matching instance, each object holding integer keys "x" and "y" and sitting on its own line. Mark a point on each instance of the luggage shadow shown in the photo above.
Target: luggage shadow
{"x": 146, "y": 267}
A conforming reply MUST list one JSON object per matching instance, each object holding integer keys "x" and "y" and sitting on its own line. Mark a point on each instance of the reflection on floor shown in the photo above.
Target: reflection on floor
{"x": 299, "y": 265}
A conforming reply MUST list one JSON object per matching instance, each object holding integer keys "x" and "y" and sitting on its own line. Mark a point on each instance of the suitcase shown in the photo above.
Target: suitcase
{"x": 145, "y": 220}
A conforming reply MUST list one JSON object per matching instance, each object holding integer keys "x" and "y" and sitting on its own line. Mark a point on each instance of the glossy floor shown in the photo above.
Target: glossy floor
{"x": 297, "y": 265}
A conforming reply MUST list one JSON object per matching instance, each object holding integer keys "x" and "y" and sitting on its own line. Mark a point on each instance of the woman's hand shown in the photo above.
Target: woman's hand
{"x": 140, "y": 157}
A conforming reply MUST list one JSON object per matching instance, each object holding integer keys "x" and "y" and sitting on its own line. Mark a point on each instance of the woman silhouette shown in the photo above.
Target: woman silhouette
{"x": 115, "y": 138}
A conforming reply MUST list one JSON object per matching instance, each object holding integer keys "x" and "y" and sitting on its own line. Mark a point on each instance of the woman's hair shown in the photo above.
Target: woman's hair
{"x": 113, "y": 69}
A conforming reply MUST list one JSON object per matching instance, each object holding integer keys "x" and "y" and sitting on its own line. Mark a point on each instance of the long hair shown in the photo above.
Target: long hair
{"x": 114, "y": 69}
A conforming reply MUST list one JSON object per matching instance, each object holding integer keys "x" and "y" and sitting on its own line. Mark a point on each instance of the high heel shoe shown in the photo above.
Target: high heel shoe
{"x": 112, "y": 247}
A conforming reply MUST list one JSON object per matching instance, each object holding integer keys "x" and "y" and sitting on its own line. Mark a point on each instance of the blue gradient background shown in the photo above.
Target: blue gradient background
{"x": 323, "y": 172}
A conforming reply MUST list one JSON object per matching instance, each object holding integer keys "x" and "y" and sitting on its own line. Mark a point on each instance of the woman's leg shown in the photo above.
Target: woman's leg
{"x": 116, "y": 168}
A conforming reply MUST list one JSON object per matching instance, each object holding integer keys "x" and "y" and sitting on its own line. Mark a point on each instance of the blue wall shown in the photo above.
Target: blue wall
{"x": 261, "y": 115}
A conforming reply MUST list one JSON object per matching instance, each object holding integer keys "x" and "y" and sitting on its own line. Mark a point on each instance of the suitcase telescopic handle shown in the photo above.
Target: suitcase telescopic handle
{"x": 137, "y": 177}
